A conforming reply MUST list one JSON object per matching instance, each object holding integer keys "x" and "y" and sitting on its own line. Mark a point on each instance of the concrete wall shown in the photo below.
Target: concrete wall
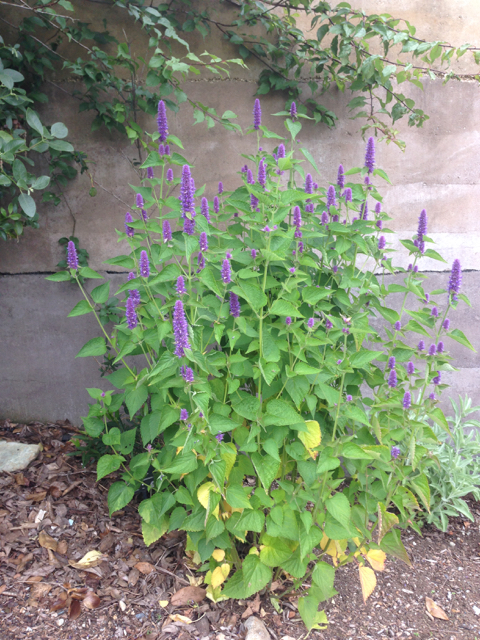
{"x": 40, "y": 378}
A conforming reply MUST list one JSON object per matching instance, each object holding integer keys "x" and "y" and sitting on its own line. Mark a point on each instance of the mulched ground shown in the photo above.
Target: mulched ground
{"x": 56, "y": 503}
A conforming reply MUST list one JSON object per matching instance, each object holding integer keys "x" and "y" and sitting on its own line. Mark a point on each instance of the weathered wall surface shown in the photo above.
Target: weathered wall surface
{"x": 40, "y": 378}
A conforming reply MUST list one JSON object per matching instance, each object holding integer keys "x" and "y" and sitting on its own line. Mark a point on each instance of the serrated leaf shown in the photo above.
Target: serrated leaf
{"x": 266, "y": 468}
{"x": 237, "y": 498}
{"x": 119, "y": 495}
{"x": 107, "y": 464}
{"x": 284, "y": 308}
{"x": 376, "y": 557}
{"x": 312, "y": 437}
{"x": 339, "y": 507}
{"x": 368, "y": 581}
{"x": 94, "y": 347}
{"x": 392, "y": 544}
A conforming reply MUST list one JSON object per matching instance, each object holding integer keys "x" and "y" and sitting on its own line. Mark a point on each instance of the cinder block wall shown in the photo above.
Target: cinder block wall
{"x": 439, "y": 171}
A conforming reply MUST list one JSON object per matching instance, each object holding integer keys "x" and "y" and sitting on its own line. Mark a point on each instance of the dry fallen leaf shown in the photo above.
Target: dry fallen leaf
{"x": 144, "y": 567}
{"x": 60, "y": 602}
{"x": 176, "y": 617}
{"x": 46, "y": 541}
{"x": 434, "y": 610}
{"x": 62, "y": 547}
{"x": 36, "y": 497}
{"x": 37, "y": 592}
{"x": 186, "y": 595}
{"x": 89, "y": 560}
{"x": 247, "y": 613}
{"x": 91, "y": 600}
{"x": 74, "y": 610}
{"x": 163, "y": 603}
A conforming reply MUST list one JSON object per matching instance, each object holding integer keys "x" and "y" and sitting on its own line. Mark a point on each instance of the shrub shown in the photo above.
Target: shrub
{"x": 250, "y": 317}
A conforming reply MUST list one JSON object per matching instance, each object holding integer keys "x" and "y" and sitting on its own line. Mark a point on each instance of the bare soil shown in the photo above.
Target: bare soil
{"x": 42, "y": 596}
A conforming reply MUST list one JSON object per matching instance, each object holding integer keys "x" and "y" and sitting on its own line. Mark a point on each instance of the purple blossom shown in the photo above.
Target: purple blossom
{"x": 298, "y": 233}
{"x": 339, "y": 361}
{"x": 150, "y": 174}
{"x": 455, "y": 279}
{"x": 415, "y": 269}
{"x": 216, "y": 204}
{"x": 250, "y": 178}
{"x": 378, "y": 208}
{"x": 220, "y": 187}
{"x": 226, "y": 271}
{"x": 334, "y": 268}
{"x": 422, "y": 230}
{"x": 446, "y": 324}
{"x": 253, "y": 253}
{"x": 432, "y": 351}
{"x": 167, "y": 231}
{"x": 161, "y": 150}
{"x": 328, "y": 324}
{"x": 421, "y": 345}
{"x": 180, "y": 330}
{"x": 144, "y": 265}
{"x": 180, "y": 286}
{"x": 410, "y": 368}
{"x": 219, "y": 437}
{"x": 280, "y": 151}
{"x": 432, "y": 396}
{"x": 139, "y": 200}
{"x": 204, "y": 209}
{"x": 134, "y": 293}
{"x": 410, "y": 267}
{"x": 391, "y": 362}
{"x": 72, "y": 257}
{"x": 203, "y": 241}
{"x": 392, "y": 379}
{"x": 437, "y": 379}
{"x": 129, "y": 230}
{"x": 397, "y": 326}
{"x": 228, "y": 255}
{"x": 167, "y": 149}
{"x": 341, "y": 177}
{"x": 288, "y": 321}
{"x": 200, "y": 262}
{"x": 379, "y": 224}
{"x": 348, "y": 398}
{"x": 131, "y": 314}
{"x": 170, "y": 175}
{"x": 311, "y": 323}
{"x": 347, "y": 194}
{"x": 395, "y": 452}
{"x": 144, "y": 215}
{"x": 234, "y": 305}
{"x": 331, "y": 197}
{"x": 297, "y": 216}
{"x": 335, "y": 218}
{"x": 187, "y": 375}
{"x": 382, "y": 242}
{"x": 187, "y": 192}
{"x": 183, "y": 414}
{"x": 293, "y": 111}
{"x": 244, "y": 169}
{"x": 366, "y": 180}
{"x": 364, "y": 211}
{"x": 300, "y": 246}
{"x": 324, "y": 218}
{"x": 162, "y": 123}
{"x": 257, "y": 115}
{"x": 427, "y": 297}
{"x": 253, "y": 201}
{"x": 309, "y": 183}
{"x": 440, "y": 347}
{"x": 435, "y": 312}
{"x": 292, "y": 269}
{"x": 407, "y": 400}
{"x": 370, "y": 155}
{"x": 189, "y": 226}
{"x": 262, "y": 173}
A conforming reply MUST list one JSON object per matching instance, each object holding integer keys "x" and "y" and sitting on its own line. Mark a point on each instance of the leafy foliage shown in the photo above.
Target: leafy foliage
{"x": 265, "y": 447}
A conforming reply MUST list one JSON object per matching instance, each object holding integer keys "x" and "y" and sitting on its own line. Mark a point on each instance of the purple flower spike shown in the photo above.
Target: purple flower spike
{"x": 348, "y": 398}
{"x": 366, "y": 180}
{"x": 392, "y": 379}
{"x": 262, "y": 173}
{"x": 288, "y": 321}
{"x": 410, "y": 267}
{"x": 167, "y": 231}
{"x": 293, "y": 111}
{"x": 379, "y": 224}
{"x": 180, "y": 330}
{"x": 446, "y": 324}
{"x": 347, "y": 194}
{"x": 437, "y": 379}
{"x": 297, "y": 216}
{"x": 341, "y": 177}
{"x": 253, "y": 253}
{"x": 280, "y": 151}
{"x": 391, "y": 362}
{"x": 167, "y": 149}
{"x": 298, "y": 233}
{"x": 170, "y": 175}
{"x": 131, "y": 314}
{"x": 161, "y": 150}
{"x": 253, "y": 202}
{"x": 139, "y": 201}
{"x": 144, "y": 215}
{"x": 364, "y": 211}
{"x": 378, "y": 208}
{"x": 435, "y": 312}
{"x": 334, "y": 268}
{"x": 395, "y": 452}
{"x": 292, "y": 269}
{"x": 134, "y": 293}
{"x": 189, "y": 226}
{"x": 331, "y": 196}
{"x": 181, "y": 286}
{"x": 205, "y": 210}
{"x": 250, "y": 178}
{"x": 257, "y": 115}
{"x": 311, "y": 323}
{"x": 129, "y": 230}
{"x": 382, "y": 242}
{"x": 407, "y": 400}
{"x": 432, "y": 396}
{"x": 216, "y": 204}
{"x": 183, "y": 414}
{"x": 219, "y": 437}
{"x": 422, "y": 230}
{"x": 440, "y": 347}
{"x": 203, "y": 241}
{"x": 144, "y": 265}
{"x": 226, "y": 271}
{"x": 308, "y": 183}
{"x": 370, "y": 155}
{"x": 328, "y": 324}
{"x": 72, "y": 257}
{"x": 398, "y": 325}
{"x": 200, "y": 262}
{"x": 234, "y": 305}
{"x": 410, "y": 368}
{"x": 189, "y": 376}
{"x": 421, "y": 345}
{"x": 150, "y": 174}
{"x": 300, "y": 247}
{"x": 187, "y": 191}
{"x": 162, "y": 123}
{"x": 220, "y": 188}
{"x": 415, "y": 269}
{"x": 432, "y": 351}
{"x": 455, "y": 279}
{"x": 324, "y": 218}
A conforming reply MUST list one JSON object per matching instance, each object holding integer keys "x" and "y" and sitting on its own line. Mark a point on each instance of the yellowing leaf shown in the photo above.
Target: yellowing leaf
{"x": 163, "y": 603}
{"x": 334, "y": 549}
{"x": 312, "y": 438}
{"x": 229, "y": 456}
{"x": 218, "y": 555}
{"x": 434, "y": 610}
{"x": 377, "y": 558}
{"x": 215, "y": 594}
{"x": 368, "y": 581}
{"x": 203, "y": 493}
{"x": 176, "y": 617}
{"x": 219, "y": 575}
{"x": 89, "y": 560}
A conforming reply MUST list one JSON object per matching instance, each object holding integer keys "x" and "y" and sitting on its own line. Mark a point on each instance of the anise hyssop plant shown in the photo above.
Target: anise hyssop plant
{"x": 249, "y": 314}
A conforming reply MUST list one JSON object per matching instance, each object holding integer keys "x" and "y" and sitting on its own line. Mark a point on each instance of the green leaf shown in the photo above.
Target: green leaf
{"x": 34, "y": 121}
{"x": 61, "y": 145}
{"x": 284, "y": 308}
{"x": 135, "y": 398}
{"x": 252, "y": 294}
{"x": 338, "y": 506}
{"x": 323, "y": 576}
{"x": 280, "y": 413}
{"x": 119, "y": 495}
{"x": 28, "y": 204}
{"x": 438, "y": 416}
{"x": 94, "y": 347}
{"x": 80, "y": 309}
{"x": 308, "y": 610}
{"x": 275, "y": 551}
{"x": 422, "y": 489}
{"x": 354, "y": 452}
{"x": 266, "y": 468}
{"x": 86, "y": 272}
{"x": 460, "y": 337}
{"x": 393, "y": 545}
{"x": 253, "y": 577}
{"x": 41, "y": 182}
{"x": 153, "y": 532}
{"x": 208, "y": 279}
{"x": 101, "y": 293}
{"x": 251, "y": 521}
{"x": 107, "y": 464}
{"x": 185, "y": 463}
{"x": 237, "y": 498}
{"x": 59, "y": 130}
{"x": 220, "y": 424}
{"x": 248, "y": 407}
{"x": 293, "y": 127}
{"x": 309, "y": 157}
{"x": 271, "y": 447}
